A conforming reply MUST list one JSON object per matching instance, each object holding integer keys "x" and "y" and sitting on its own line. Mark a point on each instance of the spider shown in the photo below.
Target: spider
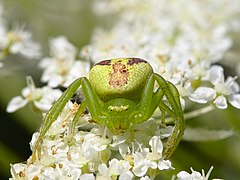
{"x": 120, "y": 94}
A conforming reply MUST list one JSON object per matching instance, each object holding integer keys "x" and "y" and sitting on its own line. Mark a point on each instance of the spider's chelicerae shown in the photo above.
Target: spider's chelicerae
{"x": 120, "y": 94}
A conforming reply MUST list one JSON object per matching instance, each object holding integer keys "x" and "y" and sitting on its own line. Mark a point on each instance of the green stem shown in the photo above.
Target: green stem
{"x": 190, "y": 115}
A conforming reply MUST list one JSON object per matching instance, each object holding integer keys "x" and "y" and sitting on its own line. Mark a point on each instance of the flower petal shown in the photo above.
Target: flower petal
{"x": 103, "y": 169}
{"x": 43, "y": 105}
{"x": 232, "y": 84}
{"x": 203, "y": 95}
{"x": 16, "y": 103}
{"x": 221, "y": 102}
{"x": 156, "y": 144}
{"x": 126, "y": 176}
{"x": 235, "y": 100}
{"x": 183, "y": 175}
{"x": 164, "y": 164}
{"x": 140, "y": 170}
{"x": 87, "y": 177}
{"x": 216, "y": 74}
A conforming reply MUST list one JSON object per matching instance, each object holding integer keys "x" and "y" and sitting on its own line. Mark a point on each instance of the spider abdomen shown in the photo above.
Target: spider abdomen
{"x": 122, "y": 77}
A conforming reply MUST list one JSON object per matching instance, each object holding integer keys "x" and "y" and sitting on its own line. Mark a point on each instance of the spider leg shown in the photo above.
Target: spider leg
{"x": 52, "y": 115}
{"x": 92, "y": 100}
{"x": 162, "y": 116}
{"x": 149, "y": 100}
{"x": 172, "y": 96}
{"x": 148, "y": 104}
{"x": 79, "y": 112}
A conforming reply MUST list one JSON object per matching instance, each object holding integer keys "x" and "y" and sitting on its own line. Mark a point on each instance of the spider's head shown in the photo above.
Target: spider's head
{"x": 117, "y": 112}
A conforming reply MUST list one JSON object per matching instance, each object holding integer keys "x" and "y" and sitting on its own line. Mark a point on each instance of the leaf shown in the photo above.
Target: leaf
{"x": 200, "y": 134}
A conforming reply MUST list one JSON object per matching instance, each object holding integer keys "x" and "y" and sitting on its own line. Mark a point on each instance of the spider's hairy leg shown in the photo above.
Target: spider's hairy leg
{"x": 163, "y": 123}
{"x": 94, "y": 103}
{"x": 57, "y": 108}
{"x": 175, "y": 94}
{"x": 149, "y": 99}
{"x": 52, "y": 115}
{"x": 179, "y": 119}
{"x": 172, "y": 95}
{"x": 148, "y": 104}
{"x": 79, "y": 112}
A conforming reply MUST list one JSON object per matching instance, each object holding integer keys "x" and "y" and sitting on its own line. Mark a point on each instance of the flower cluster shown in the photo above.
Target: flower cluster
{"x": 16, "y": 41}
{"x": 94, "y": 154}
{"x": 41, "y": 98}
{"x": 181, "y": 44}
{"x": 62, "y": 67}
{"x": 59, "y": 70}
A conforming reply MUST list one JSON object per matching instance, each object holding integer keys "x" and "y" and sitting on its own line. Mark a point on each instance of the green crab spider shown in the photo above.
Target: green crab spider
{"x": 120, "y": 94}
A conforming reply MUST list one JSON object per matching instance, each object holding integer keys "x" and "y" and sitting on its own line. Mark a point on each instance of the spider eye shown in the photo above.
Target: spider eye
{"x": 110, "y": 108}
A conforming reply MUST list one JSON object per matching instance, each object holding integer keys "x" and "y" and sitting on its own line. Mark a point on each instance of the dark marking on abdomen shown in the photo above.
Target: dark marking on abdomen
{"x": 104, "y": 63}
{"x": 132, "y": 61}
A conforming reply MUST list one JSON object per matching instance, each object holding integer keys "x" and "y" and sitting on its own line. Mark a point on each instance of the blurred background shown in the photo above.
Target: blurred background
{"x": 74, "y": 19}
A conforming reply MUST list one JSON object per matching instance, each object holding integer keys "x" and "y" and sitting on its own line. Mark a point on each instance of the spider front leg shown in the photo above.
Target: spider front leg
{"x": 172, "y": 95}
{"x": 150, "y": 100}
{"x": 56, "y": 109}
{"x": 148, "y": 103}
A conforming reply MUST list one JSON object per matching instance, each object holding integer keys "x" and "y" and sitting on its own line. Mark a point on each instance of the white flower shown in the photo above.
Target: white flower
{"x": 116, "y": 168}
{"x": 203, "y": 95}
{"x": 62, "y": 68}
{"x": 61, "y": 48}
{"x": 164, "y": 164}
{"x": 33, "y": 171}
{"x": 141, "y": 163}
{"x": 63, "y": 170}
{"x": 183, "y": 175}
{"x": 18, "y": 41}
{"x": 42, "y": 98}
{"x": 150, "y": 159}
{"x": 156, "y": 154}
{"x": 222, "y": 91}
{"x": 17, "y": 170}
{"x": 92, "y": 146}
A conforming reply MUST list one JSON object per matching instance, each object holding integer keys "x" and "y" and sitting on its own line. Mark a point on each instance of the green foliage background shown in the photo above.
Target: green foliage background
{"x": 74, "y": 19}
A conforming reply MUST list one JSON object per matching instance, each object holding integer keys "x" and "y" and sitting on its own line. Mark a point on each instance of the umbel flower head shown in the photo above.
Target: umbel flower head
{"x": 63, "y": 67}
{"x": 180, "y": 44}
{"x": 221, "y": 91}
{"x": 91, "y": 155}
{"x": 16, "y": 40}
{"x": 41, "y": 98}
